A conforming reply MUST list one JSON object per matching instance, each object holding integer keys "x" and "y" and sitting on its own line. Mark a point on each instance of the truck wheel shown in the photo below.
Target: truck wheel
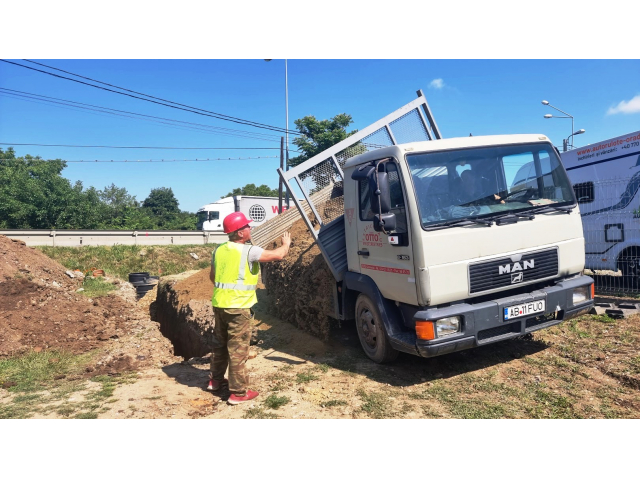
{"x": 371, "y": 332}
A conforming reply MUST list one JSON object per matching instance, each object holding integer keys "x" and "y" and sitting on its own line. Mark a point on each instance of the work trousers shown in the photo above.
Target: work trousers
{"x": 232, "y": 336}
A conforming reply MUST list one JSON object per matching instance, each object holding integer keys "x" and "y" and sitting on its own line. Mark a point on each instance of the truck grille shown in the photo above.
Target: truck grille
{"x": 503, "y": 272}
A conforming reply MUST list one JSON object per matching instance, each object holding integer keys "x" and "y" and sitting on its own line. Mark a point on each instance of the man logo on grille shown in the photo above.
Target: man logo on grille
{"x": 517, "y": 277}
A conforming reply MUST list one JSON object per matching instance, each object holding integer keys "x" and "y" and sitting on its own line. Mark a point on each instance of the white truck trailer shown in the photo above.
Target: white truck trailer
{"x": 444, "y": 245}
{"x": 258, "y": 209}
{"x": 606, "y": 180}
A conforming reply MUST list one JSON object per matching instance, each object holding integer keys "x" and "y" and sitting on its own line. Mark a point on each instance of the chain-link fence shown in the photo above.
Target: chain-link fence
{"x": 610, "y": 211}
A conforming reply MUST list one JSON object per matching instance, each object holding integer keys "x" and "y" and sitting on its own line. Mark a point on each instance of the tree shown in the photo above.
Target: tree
{"x": 162, "y": 202}
{"x": 34, "y": 194}
{"x": 117, "y": 203}
{"x": 251, "y": 189}
{"x": 318, "y": 135}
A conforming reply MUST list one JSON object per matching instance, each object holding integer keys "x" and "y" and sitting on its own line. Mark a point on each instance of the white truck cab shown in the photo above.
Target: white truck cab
{"x": 455, "y": 243}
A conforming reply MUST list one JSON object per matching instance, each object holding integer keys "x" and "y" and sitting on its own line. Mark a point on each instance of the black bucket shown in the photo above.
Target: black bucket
{"x": 138, "y": 277}
{"x": 142, "y": 289}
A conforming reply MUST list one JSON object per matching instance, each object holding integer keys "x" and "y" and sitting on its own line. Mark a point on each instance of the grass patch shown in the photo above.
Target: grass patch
{"x": 96, "y": 287}
{"x": 87, "y": 416}
{"x": 274, "y": 402}
{"x": 258, "y": 412}
{"x": 120, "y": 260}
{"x": 604, "y": 318}
{"x": 322, "y": 367}
{"x": 35, "y": 390}
{"x": 36, "y": 370}
{"x": 375, "y": 405}
{"x": 334, "y": 403}
{"x": 306, "y": 377}
{"x": 109, "y": 384}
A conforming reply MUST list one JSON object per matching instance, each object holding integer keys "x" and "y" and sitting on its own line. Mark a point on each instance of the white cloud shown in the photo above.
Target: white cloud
{"x": 632, "y": 106}
{"x": 437, "y": 83}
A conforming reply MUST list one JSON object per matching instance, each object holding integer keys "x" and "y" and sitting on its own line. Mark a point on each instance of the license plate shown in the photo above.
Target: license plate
{"x": 529, "y": 308}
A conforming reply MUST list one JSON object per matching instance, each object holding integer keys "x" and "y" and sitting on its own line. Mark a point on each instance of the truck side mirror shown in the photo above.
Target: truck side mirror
{"x": 386, "y": 221}
{"x": 380, "y": 193}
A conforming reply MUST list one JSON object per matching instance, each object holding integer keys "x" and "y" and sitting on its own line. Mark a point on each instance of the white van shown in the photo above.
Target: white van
{"x": 606, "y": 179}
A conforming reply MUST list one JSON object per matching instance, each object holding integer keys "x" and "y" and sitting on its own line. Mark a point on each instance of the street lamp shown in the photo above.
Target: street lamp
{"x": 566, "y": 141}
{"x": 548, "y": 115}
{"x": 286, "y": 107}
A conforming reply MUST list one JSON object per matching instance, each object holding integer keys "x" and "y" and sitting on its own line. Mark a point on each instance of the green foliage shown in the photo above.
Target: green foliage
{"x": 252, "y": 190}
{"x": 120, "y": 260}
{"x": 96, "y": 287}
{"x": 37, "y": 370}
{"x": 34, "y": 194}
{"x": 162, "y": 202}
{"x": 275, "y": 402}
{"x": 318, "y": 135}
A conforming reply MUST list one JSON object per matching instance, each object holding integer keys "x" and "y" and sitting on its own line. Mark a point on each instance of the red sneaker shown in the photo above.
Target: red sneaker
{"x": 235, "y": 399}
{"x": 215, "y": 385}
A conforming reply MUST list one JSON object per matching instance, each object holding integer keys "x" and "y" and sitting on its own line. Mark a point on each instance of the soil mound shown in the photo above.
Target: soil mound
{"x": 19, "y": 261}
{"x": 40, "y": 310}
{"x": 301, "y": 285}
{"x": 196, "y": 287}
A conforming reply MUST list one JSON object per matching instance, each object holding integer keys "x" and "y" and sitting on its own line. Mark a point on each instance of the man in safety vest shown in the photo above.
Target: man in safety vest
{"x": 234, "y": 272}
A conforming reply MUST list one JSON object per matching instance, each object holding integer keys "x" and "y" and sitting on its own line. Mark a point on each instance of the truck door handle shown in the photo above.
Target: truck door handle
{"x": 364, "y": 253}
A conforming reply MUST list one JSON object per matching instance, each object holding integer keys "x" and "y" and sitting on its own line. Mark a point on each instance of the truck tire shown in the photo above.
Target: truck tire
{"x": 371, "y": 332}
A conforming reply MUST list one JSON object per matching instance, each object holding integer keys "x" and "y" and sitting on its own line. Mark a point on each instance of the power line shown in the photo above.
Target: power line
{"x": 144, "y": 94}
{"x": 153, "y": 148}
{"x": 165, "y": 160}
{"x": 188, "y": 109}
{"x": 63, "y": 103}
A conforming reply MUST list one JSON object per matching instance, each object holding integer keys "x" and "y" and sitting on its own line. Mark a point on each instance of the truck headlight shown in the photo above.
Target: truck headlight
{"x": 581, "y": 294}
{"x": 447, "y": 326}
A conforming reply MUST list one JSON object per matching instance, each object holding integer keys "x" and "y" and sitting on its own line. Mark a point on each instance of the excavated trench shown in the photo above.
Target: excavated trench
{"x": 299, "y": 290}
{"x": 183, "y": 309}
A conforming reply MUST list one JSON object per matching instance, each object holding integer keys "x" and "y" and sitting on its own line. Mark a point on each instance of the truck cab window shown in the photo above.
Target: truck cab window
{"x": 397, "y": 199}
{"x": 214, "y": 215}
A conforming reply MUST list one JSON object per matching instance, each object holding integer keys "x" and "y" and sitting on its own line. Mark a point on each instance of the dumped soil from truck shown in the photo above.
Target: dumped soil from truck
{"x": 301, "y": 285}
{"x": 40, "y": 310}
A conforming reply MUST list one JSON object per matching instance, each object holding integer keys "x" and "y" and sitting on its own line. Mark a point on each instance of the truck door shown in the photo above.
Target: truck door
{"x": 387, "y": 259}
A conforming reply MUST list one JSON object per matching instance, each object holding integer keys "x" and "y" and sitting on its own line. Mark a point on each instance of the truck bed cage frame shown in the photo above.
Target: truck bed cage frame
{"x": 320, "y": 178}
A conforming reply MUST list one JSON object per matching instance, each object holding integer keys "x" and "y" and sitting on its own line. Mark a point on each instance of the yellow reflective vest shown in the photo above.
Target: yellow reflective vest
{"x": 235, "y": 282}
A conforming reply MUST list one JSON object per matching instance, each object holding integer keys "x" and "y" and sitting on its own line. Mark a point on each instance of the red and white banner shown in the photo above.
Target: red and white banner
{"x": 401, "y": 271}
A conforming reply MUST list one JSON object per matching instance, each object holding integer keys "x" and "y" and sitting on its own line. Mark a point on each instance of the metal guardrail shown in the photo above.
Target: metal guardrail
{"x": 78, "y": 238}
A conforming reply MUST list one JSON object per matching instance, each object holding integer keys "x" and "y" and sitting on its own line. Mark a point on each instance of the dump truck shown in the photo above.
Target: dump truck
{"x": 443, "y": 245}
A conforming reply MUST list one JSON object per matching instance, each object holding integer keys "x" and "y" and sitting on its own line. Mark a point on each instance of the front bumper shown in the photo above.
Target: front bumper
{"x": 483, "y": 323}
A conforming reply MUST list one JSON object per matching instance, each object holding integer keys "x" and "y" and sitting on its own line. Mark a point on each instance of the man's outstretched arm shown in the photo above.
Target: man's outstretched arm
{"x": 277, "y": 253}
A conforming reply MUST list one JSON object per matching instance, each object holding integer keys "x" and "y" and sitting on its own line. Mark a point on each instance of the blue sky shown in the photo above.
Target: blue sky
{"x": 482, "y": 97}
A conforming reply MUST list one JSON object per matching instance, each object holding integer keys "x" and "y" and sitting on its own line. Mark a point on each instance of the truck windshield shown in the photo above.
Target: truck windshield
{"x": 481, "y": 182}
{"x": 202, "y": 217}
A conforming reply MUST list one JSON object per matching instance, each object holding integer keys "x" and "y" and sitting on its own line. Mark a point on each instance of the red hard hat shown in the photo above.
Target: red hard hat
{"x": 235, "y": 221}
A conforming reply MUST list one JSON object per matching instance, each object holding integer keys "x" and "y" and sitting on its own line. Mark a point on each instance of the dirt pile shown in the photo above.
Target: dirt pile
{"x": 301, "y": 285}
{"x": 39, "y": 308}
{"x": 19, "y": 261}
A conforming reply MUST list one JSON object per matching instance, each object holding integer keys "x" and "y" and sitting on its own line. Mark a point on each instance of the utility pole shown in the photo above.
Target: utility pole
{"x": 286, "y": 107}
{"x": 281, "y": 166}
